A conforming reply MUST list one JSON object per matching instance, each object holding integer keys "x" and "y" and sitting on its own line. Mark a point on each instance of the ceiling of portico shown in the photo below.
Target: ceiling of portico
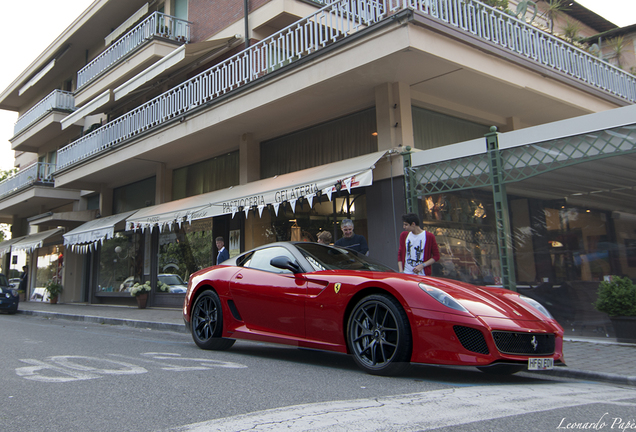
{"x": 605, "y": 184}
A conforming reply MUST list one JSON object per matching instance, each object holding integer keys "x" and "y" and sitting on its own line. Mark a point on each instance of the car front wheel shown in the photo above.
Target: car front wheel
{"x": 379, "y": 335}
{"x": 207, "y": 323}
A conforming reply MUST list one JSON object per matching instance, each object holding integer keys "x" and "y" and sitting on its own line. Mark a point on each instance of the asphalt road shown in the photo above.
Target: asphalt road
{"x": 60, "y": 375}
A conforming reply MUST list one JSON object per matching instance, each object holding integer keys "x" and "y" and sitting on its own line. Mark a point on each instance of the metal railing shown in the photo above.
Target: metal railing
{"x": 517, "y": 36}
{"x": 38, "y": 173}
{"x": 157, "y": 24}
{"x": 332, "y": 23}
{"x": 56, "y": 100}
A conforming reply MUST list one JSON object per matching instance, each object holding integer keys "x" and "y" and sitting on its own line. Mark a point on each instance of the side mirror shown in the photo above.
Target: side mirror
{"x": 282, "y": 262}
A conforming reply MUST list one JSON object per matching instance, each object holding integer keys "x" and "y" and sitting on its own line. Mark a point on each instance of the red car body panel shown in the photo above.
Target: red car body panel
{"x": 311, "y": 310}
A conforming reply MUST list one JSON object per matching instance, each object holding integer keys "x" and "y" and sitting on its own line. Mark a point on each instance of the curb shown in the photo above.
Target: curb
{"x": 178, "y": 328}
{"x": 590, "y": 376}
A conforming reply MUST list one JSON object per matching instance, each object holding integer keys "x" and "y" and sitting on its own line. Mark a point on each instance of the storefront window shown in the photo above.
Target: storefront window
{"x": 50, "y": 265}
{"x": 306, "y": 223}
{"x": 463, "y": 225}
{"x": 121, "y": 262}
{"x": 182, "y": 252}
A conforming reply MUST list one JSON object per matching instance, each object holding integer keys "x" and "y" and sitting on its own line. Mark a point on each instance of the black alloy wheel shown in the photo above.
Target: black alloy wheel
{"x": 207, "y": 323}
{"x": 379, "y": 335}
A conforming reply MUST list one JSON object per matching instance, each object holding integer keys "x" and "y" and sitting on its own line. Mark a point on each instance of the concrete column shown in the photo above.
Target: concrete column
{"x": 249, "y": 159}
{"x": 513, "y": 123}
{"x": 393, "y": 115}
{"x": 163, "y": 186}
{"x": 105, "y": 201}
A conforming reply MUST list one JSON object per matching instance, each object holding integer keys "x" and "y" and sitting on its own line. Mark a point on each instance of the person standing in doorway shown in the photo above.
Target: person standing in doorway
{"x": 24, "y": 280}
{"x": 350, "y": 240}
{"x": 223, "y": 253}
{"x": 418, "y": 249}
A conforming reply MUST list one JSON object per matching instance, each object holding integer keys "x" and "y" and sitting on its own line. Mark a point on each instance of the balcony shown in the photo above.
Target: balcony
{"x": 39, "y": 173}
{"x": 469, "y": 21}
{"x": 57, "y": 100}
{"x": 155, "y": 25}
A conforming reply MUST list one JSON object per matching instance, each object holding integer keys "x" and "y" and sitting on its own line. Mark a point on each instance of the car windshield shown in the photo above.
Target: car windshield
{"x": 171, "y": 279}
{"x": 3, "y": 280}
{"x": 323, "y": 257}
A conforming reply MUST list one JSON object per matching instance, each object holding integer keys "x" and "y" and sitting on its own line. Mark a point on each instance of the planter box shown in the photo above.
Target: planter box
{"x": 625, "y": 328}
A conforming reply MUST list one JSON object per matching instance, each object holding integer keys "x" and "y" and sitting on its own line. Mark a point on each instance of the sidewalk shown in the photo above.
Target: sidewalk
{"x": 589, "y": 359}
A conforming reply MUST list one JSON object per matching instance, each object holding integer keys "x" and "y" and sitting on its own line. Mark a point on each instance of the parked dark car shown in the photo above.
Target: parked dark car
{"x": 9, "y": 298}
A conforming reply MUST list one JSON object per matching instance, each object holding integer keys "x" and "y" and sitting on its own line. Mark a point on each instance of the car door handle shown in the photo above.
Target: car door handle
{"x": 239, "y": 276}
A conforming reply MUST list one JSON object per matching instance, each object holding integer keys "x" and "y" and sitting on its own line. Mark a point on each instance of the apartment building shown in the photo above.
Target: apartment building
{"x": 148, "y": 129}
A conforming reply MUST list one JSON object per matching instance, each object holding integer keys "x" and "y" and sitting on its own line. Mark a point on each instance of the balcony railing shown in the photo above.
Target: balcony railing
{"x": 332, "y": 23}
{"x": 157, "y": 24}
{"x": 38, "y": 173}
{"x": 56, "y": 100}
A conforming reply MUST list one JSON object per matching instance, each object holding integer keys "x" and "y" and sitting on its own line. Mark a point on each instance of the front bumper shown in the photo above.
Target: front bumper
{"x": 436, "y": 341}
{"x": 9, "y": 303}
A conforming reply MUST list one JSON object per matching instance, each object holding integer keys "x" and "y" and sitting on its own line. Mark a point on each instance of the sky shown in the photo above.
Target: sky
{"x": 48, "y": 19}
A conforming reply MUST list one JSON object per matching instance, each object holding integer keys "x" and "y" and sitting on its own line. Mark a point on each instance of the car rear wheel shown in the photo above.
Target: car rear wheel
{"x": 379, "y": 335}
{"x": 207, "y": 323}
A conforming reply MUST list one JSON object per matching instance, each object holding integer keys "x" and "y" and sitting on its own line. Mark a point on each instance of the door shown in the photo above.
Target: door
{"x": 270, "y": 299}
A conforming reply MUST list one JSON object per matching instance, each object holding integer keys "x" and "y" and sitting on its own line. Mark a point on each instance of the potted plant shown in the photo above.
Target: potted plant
{"x": 140, "y": 292}
{"x": 617, "y": 298}
{"x": 54, "y": 290}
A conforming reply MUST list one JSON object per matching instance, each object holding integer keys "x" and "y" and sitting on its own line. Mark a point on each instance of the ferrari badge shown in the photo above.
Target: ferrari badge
{"x": 336, "y": 287}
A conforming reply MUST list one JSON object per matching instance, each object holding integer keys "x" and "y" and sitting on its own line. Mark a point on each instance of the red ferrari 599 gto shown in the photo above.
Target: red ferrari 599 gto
{"x": 324, "y": 297}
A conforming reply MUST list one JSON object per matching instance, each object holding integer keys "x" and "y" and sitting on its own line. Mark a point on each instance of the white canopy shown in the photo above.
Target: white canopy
{"x": 5, "y": 246}
{"x": 276, "y": 191}
{"x": 95, "y": 231}
{"x": 35, "y": 241}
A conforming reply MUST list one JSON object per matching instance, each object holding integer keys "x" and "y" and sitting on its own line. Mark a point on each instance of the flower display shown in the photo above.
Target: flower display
{"x": 139, "y": 289}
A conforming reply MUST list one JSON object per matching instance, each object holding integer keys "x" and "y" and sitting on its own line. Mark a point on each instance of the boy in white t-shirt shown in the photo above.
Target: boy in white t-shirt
{"x": 418, "y": 249}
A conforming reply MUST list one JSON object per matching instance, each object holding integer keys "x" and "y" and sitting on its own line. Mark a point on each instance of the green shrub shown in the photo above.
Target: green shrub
{"x": 617, "y": 298}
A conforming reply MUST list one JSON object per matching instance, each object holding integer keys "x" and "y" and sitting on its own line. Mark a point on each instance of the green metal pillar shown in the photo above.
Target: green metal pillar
{"x": 409, "y": 183}
{"x": 502, "y": 216}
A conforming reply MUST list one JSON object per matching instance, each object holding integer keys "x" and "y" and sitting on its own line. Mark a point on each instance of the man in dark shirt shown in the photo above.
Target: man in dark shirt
{"x": 350, "y": 240}
{"x": 223, "y": 253}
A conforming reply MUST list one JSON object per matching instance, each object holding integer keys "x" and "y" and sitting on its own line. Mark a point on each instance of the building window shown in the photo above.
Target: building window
{"x": 134, "y": 196}
{"x": 92, "y": 202}
{"x": 304, "y": 224}
{"x": 121, "y": 262}
{"x": 182, "y": 252}
{"x": 207, "y": 176}
{"x": 464, "y": 227}
{"x": 431, "y": 129}
{"x": 339, "y": 139}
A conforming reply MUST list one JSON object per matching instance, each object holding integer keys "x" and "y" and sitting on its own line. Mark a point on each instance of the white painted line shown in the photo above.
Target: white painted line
{"x": 419, "y": 411}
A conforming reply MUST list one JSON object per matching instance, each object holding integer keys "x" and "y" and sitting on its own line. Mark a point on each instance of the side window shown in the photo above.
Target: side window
{"x": 261, "y": 258}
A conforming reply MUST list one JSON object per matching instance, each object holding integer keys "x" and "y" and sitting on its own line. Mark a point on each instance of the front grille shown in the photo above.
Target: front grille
{"x": 524, "y": 343}
{"x": 471, "y": 339}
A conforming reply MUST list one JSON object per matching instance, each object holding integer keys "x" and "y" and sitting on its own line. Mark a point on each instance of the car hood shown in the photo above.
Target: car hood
{"x": 487, "y": 302}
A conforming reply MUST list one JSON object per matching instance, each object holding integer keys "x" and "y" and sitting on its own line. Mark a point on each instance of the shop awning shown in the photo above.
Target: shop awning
{"x": 280, "y": 190}
{"x": 180, "y": 57}
{"x": 5, "y": 246}
{"x": 35, "y": 241}
{"x": 82, "y": 238}
{"x": 77, "y": 116}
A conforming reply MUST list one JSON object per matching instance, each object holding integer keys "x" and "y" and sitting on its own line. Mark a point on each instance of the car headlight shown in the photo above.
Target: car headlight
{"x": 535, "y": 304}
{"x": 442, "y": 297}
{"x": 14, "y": 292}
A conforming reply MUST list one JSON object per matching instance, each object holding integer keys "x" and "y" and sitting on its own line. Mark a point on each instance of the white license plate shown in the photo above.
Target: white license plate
{"x": 536, "y": 363}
